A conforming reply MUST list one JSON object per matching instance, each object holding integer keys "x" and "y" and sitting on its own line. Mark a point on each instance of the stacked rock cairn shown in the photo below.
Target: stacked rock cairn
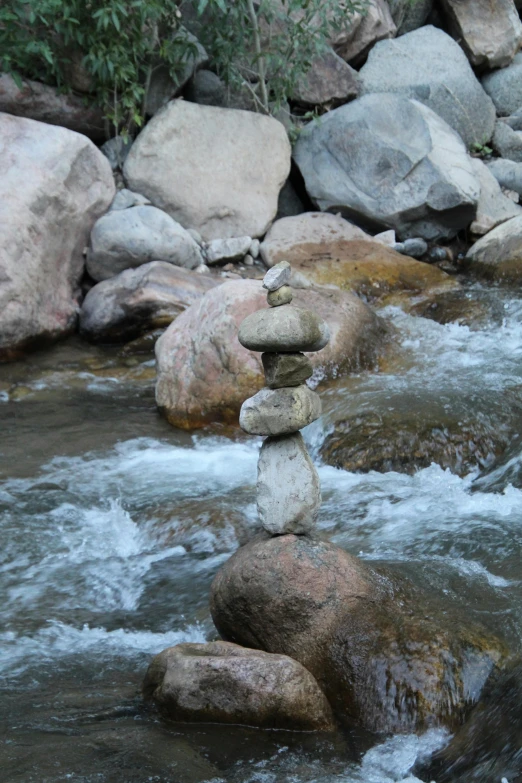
{"x": 288, "y": 488}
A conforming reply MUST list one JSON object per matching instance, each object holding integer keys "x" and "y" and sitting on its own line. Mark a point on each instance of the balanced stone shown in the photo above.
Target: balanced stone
{"x": 278, "y": 276}
{"x": 286, "y": 369}
{"x": 279, "y": 411}
{"x": 288, "y": 488}
{"x": 285, "y": 328}
{"x": 282, "y": 296}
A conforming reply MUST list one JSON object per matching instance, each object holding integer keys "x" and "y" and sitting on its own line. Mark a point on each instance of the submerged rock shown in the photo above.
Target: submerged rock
{"x": 216, "y": 170}
{"x": 139, "y": 300}
{"x": 54, "y": 186}
{"x": 204, "y": 373}
{"x": 279, "y": 411}
{"x": 288, "y": 488}
{"x": 378, "y": 659}
{"x": 386, "y": 161}
{"x": 220, "y": 682}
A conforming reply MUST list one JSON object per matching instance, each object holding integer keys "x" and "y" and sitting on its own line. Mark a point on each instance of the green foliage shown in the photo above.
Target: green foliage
{"x": 267, "y": 48}
{"x": 112, "y": 44}
{"x": 480, "y": 150}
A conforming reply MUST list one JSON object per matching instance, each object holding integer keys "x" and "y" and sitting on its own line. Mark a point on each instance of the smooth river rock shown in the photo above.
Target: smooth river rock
{"x": 216, "y": 170}
{"x": 286, "y": 328}
{"x": 498, "y": 254}
{"x": 381, "y": 656}
{"x": 140, "y": 300}
{"x": 386, "y": 161}
{"x": 127, "y": 238}
{"x": 430, "y": 67}
{"x": 204, "y": 373}
{"x": 219, "y": 682}
{"x": 55, "y": 184}
{"x": 279, "y": 411}
{"x": 504, "y": 86}
{"x": 288, "y": 488}
{"x": 282, "y": 296}
{"x": 286, "y": 369}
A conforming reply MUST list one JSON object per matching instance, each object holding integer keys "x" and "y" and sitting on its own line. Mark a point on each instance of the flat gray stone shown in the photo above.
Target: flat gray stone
{"x": 220, "y": 251}
{"x": 508, "y": 142}
{"x": 508, "y": 173}
{"x": 504, "y": 86}
{"x": 279, "y": 411}
{"x": 285, "y": 328}
{"x": 280, "y": 297}
{"x": 427, "y": 65}
{"x": 278, "y": 276}
{"x": 286, "y": 369}
{"x": 127, "y": 238}
{"x": 288, "y": 487}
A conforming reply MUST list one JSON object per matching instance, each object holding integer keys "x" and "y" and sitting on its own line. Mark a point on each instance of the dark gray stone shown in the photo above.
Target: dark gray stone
{"x": 207, "y": 89}
{"x": 508, "y": 142}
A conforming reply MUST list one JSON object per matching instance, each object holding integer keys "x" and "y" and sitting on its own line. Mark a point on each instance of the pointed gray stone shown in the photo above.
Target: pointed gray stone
{"x": 279, "y": 411}
{"x": 285, "y": 328}
{"x": 277, "y": 277}
{"x": 288, "y": 488}
{"x": 286, "y": 369}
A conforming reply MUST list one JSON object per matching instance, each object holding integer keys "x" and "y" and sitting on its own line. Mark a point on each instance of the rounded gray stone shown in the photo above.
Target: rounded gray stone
{"x": 286, "y": 328}
{"x": 280, "y": 297}
{"x": 279, "y": 411}
{"x": 286, "y": 369}
{"x": 288, "y": 487}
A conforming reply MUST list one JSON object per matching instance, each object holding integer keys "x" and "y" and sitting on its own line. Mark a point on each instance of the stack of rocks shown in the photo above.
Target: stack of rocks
{"x": 288, "y": 489}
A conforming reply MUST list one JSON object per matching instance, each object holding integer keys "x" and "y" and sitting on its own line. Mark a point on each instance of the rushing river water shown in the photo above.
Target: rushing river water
{"x": 113, "y": 525}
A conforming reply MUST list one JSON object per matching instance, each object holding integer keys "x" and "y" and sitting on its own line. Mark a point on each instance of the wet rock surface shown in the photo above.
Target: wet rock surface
{"x": 360, "y": 633}
{"x": 219, "y": 682}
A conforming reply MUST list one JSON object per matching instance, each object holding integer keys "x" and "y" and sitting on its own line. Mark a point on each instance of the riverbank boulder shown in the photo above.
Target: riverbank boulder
{"x": 429, "y": 66}
{"x": 128, "y": 238}
{"x": 218, "y": 171}
{"x": 385, "y": 161}
{"x": 140, "y": 300}
{"x": 374, "y": 24}
{"x": 504, "y": 86}
{"x": 507, "y": 141}
{"x": 489, "y": 33}
{"x": 205, "y": 374}
{"x": 54, "y": 186}
{"x": 493, "y": 206}
{"x": 36, "y": 101}
{"x": 331, "y": 251}
{"x": 219, "y": 682}
{"x": 498, "y": 254}
{"x": 380, "y": 661}
{"x": 330, "y": 81}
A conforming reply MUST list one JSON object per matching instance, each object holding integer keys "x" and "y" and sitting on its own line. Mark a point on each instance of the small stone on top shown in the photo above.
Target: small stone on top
{"x": 278, "y": 276}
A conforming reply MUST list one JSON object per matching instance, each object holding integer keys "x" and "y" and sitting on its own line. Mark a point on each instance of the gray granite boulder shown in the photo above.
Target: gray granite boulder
{"x": 409, "y": 15}
{"x": 494, "y": 207}
{"x": 219, "y": 682}
{"x": 386, "y": 161}
{"x": 288, "y": 488}
{"x": 505, "y": 87}
{"x": 508, "y": 142}
{"x": 498, "y": 254}
{"x": 429, "y": 66}
{"x": 489, "y": 32}
{"x": 163, "y": 85}
{"x": 279, "y": 411}
{"x": 368, "y": 27}
{"x": 330, "y": 80}
{"x": 127, "y": 238}
{"x": 139, "y": 300}
{"x": 508, "y": 173}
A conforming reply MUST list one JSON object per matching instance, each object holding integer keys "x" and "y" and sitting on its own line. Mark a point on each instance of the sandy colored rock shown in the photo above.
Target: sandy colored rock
{"x": 216, "y": 170}
{"x": 128, "y": 238}
{"x": 279, "y": 411}
{"x": 489, "y": 33}
{"x": 204, "y": 374}
{"x": 54, "y": 186}
{"x": 375, "y": 24}
{"x": 288, "y": 488}
{"x": 219, "y": 682}
{"x": 36, "y": 101}
{"x": 139, "y": 300}
{"x": 498, "y": 254}
{"x": 286, "y": 328}
{"x": 386, "y": 161}
{"x": 365, "y": 637}
{"x": 280, "y": 297}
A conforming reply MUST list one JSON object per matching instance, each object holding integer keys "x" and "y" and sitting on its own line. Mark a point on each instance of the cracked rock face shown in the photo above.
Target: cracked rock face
{"x": 288, "y": 488}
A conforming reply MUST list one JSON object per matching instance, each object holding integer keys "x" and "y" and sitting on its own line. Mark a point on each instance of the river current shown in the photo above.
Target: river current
{"x": 113, "y": 525}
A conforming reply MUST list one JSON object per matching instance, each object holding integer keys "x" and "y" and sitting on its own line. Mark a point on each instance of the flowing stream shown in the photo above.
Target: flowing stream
{"x": 113, "y": 525}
